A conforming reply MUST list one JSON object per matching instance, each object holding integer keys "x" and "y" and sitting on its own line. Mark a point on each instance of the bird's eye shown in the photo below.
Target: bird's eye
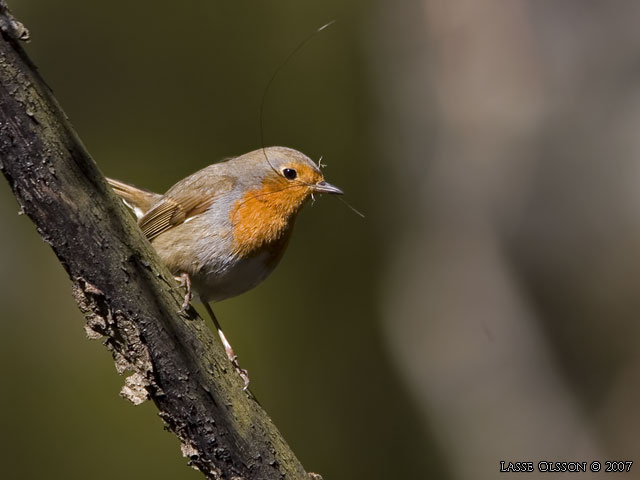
{"x": 289, "y": 173}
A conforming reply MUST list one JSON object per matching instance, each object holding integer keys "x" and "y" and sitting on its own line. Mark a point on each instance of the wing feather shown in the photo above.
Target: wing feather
{"x": 188, "y": 198}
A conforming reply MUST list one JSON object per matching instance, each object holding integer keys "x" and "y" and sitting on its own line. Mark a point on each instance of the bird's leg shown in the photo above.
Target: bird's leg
{"x": 227, "y": 347}
{"x": 184, "y": 281}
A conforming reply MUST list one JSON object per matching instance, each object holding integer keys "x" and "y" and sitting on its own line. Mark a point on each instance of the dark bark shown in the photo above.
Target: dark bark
{"x": 126, "y": 295}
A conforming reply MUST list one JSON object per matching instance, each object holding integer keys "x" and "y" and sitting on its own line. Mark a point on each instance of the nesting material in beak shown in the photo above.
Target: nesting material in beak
{"x": 324, "y": 187}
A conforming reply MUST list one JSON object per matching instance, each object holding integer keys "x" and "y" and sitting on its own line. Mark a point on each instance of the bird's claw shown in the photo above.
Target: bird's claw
{"x": 185, "y": 282}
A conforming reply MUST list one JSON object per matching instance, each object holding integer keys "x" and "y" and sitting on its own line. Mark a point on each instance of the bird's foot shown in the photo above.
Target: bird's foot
{"x": 228, "y": 349}
{"x": 241, "y": 371}
{"x": 234, "y": 360}
{"x": 185, "y": 282}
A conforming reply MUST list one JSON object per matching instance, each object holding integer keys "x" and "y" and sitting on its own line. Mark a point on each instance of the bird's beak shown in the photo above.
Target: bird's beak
{"x": 324, "y": 187}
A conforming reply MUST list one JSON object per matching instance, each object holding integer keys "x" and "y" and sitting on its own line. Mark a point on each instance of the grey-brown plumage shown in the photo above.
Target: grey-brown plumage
{"x": 226, "y": 226}
{"x": 223, "y": 229}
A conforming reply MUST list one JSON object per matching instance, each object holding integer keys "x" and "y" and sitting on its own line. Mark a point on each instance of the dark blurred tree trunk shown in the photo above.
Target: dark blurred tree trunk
{"x": 126, "y": 295}
{"x": 464, "y": 100}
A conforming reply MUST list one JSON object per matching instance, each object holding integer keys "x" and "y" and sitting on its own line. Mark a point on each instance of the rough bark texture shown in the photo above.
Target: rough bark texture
{"x": 127, "y": 296}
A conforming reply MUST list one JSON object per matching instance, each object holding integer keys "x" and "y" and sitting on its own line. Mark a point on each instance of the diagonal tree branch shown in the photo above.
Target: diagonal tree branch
{"x": 125, "y": 293}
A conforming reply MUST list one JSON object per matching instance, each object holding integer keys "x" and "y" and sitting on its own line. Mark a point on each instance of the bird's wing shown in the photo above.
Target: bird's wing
{"x": 138, "y": 199}
{"x": 188, "y": 198}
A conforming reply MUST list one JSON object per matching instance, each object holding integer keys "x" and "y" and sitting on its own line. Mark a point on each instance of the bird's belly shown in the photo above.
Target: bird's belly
{"x": 232, "y": 279}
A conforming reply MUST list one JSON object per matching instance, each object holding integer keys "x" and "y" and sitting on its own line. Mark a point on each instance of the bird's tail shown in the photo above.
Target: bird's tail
{"x": 137, "y": 199}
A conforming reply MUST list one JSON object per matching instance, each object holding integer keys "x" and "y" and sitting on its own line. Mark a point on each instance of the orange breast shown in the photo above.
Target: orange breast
{"x": 263, "y": 218}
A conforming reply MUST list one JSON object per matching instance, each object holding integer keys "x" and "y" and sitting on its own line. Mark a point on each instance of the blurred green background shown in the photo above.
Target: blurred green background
{"x": 485, "y": 309}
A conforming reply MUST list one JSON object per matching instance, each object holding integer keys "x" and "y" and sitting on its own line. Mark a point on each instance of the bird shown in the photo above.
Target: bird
{"x": 223, "y": 229}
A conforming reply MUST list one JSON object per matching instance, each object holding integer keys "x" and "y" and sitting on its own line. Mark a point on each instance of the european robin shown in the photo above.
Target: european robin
{"x": 222, "y": 230}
